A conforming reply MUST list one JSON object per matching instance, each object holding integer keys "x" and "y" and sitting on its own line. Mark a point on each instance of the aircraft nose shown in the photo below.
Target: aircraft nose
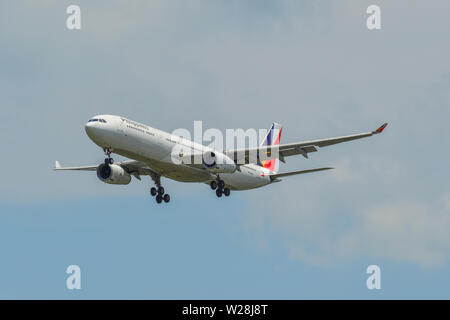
{"x": 91, "y": 129}
{"x": 88, "y": 127}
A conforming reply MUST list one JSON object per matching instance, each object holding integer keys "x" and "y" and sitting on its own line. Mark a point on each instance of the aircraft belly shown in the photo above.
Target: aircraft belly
{"x": 243, "y": 180}
{"x": 180, "y": 173}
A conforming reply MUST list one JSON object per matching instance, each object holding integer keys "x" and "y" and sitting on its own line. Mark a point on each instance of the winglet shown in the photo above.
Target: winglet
{"x": 380, "y": 129}
{"x": 57, "y": 165}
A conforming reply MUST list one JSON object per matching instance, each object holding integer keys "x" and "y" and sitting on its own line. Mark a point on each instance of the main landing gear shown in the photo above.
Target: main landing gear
{"x": 220, "y": 188}
{"x": 108, "y": 152}
{"x": 158, "y": 192}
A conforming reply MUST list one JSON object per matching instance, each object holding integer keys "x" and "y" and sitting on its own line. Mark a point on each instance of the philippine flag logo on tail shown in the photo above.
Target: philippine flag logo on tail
{"x": 272, "y": 139}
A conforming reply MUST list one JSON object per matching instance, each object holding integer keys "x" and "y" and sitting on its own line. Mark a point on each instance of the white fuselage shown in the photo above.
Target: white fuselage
{"x": 154, "y": 147}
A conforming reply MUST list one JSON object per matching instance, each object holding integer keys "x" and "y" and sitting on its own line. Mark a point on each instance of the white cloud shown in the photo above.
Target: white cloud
{"x": 343, "y": 171}
{"x": 318, "y": 228}
{"x": 406, "y": 232}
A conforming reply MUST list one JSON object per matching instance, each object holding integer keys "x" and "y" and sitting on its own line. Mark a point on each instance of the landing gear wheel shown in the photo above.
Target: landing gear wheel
{"x": 226, "y": 192}
{"x": 111, "y": 160}
{"x": 221, "y": 184}
{"x": 166, "y": 198}
{"x": 219, "y": 192}
{"x": 158, "y": 190}
{"x": 107, "y": 161}
{"x": 213, "y": 185}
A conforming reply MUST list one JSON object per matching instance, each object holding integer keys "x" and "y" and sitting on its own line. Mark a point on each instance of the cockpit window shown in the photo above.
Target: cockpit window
{"x": 99, "y": 120}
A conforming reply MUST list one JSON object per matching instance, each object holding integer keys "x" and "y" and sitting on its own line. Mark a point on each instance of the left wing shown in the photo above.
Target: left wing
{"x": 133, "y": 167}
{"x": 244, "y": 156}
{"x": 83, "y": 168}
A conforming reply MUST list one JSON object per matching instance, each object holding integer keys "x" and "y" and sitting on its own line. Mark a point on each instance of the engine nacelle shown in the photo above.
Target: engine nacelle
{"x": 113, "y": 174}
{"x": 217, "y": 162}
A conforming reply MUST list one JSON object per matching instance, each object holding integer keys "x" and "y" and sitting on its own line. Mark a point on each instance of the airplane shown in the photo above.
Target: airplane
{"x": 151, "y": 154}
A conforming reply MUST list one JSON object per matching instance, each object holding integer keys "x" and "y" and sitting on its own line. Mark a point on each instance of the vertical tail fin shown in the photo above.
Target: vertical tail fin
{"x": 272, "y": 138}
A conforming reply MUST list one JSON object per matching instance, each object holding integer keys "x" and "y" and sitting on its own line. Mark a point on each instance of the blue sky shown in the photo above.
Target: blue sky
{"x": 312, "y": 66}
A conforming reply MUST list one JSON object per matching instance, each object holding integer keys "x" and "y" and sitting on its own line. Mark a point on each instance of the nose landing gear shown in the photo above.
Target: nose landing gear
{"x": 108, "y": 152}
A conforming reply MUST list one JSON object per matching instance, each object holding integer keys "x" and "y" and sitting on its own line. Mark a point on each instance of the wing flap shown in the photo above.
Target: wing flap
{"x": 304, "y": 150}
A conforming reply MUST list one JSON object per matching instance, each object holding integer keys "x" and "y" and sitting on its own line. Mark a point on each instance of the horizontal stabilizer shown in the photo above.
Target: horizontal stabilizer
{"x": 285, "y": 174}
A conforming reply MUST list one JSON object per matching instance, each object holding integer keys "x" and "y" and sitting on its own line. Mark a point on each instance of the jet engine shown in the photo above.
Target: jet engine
{"x": 217, "y": 162}
{"x": 113, "y": 174}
